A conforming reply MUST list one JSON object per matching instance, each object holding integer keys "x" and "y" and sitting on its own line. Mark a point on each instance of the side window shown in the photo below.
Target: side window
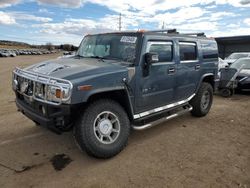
{"x": 209, "y": 50}
{"x": 188, "y": 51}
{"x": 163, "y": 49}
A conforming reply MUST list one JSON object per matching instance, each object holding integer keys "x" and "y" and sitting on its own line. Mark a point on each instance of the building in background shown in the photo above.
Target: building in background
{"x": 228, "y": 45}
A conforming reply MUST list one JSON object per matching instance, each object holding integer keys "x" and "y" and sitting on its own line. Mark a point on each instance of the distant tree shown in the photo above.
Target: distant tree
{"x": 67, "y": 47}
{"x": 73, "y": 48}
{"x": 49, "y": 46}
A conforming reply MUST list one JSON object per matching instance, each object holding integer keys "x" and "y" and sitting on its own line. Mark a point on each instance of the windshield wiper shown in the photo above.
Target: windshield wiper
{"x": 79, "y": 56}
{"x": 97, "y": 57}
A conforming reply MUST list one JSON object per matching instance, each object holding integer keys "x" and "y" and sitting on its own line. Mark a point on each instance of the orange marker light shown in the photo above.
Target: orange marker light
{"x": 58, "y": 93}
{"x": 141, "y": 31}
{"x": 85, "y": 88}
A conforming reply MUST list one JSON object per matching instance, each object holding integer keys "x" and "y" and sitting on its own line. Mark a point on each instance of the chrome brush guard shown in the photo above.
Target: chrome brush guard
{"x": 31, "y": 80}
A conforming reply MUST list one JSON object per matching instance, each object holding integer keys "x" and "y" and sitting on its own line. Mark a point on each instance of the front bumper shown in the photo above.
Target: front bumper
{"x": 243, "y": 82}
{"x": 55, "y": 118}
{"x": 245, "y": 85}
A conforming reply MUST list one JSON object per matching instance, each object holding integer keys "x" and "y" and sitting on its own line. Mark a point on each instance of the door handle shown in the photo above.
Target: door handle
{"x": 171, "y": 70}
{"x": 197, "y": 67}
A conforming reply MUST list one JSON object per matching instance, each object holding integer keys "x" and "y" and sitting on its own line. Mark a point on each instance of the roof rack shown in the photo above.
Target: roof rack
{"x": 174, "y": 31}
{"x": 202, "y": 34}
{"x": 164, "y": 31}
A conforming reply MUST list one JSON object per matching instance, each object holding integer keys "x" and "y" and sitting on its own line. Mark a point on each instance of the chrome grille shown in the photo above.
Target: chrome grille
{"x": 25, "y": 86}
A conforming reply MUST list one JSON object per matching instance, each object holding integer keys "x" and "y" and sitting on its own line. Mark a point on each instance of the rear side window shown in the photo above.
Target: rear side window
{"x": 188, "y": 51}
{"x": 163, "y": 49}
{"x": 209, "y": 50}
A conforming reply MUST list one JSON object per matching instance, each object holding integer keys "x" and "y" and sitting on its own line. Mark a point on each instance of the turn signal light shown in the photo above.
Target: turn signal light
{"x": 58, "y": 93}
{"x": 85, "y": 88}
{"x": 141, "y": 30}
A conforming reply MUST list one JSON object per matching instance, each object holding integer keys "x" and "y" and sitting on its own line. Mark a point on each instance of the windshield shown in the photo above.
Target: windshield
{"x": 109, "y": 46}
{"x": 237, "y": 55}
{"x": 240, "y": 62}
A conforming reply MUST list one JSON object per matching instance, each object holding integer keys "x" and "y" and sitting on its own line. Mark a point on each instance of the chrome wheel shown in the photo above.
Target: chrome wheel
{"x": 205, "y": 100}
{"x": 106, "y": 127}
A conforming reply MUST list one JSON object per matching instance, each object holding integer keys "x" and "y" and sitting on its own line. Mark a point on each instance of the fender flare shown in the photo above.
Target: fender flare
{"x": 129, "y": 106}
{"x": 202, "y": 78}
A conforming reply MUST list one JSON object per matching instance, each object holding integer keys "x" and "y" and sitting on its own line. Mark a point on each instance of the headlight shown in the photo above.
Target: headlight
{"x": 56, "y": 94}
{"x": 39, "y": 90}
{"x": 52, "y": 93}
{"x": 248, "y": 79}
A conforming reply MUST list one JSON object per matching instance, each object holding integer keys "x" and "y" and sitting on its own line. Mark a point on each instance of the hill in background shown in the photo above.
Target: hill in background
{"x": 5, "y": 44}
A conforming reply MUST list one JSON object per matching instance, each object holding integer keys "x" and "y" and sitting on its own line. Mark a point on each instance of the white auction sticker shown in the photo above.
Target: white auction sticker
{"x": 128, "y": 39}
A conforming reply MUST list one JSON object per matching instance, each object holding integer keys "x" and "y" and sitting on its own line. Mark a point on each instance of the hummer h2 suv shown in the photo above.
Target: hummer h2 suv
{"x": 117, "y": 82}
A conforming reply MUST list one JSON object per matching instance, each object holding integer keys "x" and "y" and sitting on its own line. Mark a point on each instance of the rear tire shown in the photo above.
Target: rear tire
{"x": 103, "y": 129}
{"x": 203, "y": 100}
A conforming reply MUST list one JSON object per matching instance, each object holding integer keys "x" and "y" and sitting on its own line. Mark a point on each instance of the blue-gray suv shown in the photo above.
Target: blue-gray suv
{"x": 117, "y": 82}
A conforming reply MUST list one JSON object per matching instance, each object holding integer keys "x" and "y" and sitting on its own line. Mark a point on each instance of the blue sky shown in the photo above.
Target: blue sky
{"x": 63, "y": 21}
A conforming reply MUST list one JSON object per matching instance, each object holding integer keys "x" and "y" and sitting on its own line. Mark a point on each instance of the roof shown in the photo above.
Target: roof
{"x": 162, "y": 33}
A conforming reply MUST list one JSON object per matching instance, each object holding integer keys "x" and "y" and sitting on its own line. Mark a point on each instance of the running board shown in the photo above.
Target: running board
{"x": 151, "y": 124}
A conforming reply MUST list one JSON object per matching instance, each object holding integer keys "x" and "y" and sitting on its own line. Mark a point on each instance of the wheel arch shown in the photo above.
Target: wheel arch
{"x": 209, "y": 78}
{"x": 120, "y": 96}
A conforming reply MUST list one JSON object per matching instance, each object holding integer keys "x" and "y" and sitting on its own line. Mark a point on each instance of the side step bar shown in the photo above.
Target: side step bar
{"x": 151, "y": 124}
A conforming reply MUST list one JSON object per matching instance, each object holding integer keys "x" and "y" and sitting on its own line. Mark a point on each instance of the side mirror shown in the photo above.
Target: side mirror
{"x": 151, "y": 58}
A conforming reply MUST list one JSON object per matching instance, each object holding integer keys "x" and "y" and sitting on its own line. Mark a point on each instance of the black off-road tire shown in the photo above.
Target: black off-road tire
{"x": 198, "y": 109}
{"x": 85, "y": 135}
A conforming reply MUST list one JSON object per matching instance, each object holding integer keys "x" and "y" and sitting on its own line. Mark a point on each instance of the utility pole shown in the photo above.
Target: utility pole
{"x": 163, "y": 26}
{"x": 120, "y": 22}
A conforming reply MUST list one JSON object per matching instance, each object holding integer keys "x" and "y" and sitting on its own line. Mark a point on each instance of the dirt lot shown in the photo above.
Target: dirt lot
{"x": 213, "y": 151}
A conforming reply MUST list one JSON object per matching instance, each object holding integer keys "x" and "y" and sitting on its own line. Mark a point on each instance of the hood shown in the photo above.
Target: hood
{"x": 72, "y": 68}
{"x": 244, "y": 72}
{"x": 230, "y": 61}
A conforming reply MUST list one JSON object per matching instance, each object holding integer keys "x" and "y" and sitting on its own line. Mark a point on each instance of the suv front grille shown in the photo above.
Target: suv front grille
{"x": 25, "y": 86}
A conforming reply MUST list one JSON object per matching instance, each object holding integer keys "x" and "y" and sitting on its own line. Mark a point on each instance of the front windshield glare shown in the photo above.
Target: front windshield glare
{"x": 240, "y": 62}
{"x": 109, "y": 46}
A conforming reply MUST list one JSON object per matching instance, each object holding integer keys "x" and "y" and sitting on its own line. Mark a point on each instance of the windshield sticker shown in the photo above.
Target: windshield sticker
{"x": 128, "y": 39}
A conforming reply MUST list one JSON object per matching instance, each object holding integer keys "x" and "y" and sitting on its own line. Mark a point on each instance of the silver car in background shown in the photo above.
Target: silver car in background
{"x": 234, "y": 56}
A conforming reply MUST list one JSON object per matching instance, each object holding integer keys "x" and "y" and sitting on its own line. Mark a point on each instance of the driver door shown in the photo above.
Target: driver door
{"x": 157, "y": 88}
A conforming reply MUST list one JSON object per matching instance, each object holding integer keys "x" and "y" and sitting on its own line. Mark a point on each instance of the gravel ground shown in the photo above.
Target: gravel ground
{"x": 213, "y": 151}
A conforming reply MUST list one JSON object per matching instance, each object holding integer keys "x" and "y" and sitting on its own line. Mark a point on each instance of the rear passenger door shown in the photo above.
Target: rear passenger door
{"x": 157, "y": 88}
{"x": 188, "y": 71}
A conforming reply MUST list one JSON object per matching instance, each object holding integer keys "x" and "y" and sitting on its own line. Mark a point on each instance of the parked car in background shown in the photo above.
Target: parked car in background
{"x": 244, "y": 75}
{"x": 234, "y": 56}
{"x": 67, "y": 55}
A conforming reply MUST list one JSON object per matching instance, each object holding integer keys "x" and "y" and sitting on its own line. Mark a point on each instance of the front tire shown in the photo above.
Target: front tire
{"x": 103, "y": 129}
{"x": 203, "y": 100}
